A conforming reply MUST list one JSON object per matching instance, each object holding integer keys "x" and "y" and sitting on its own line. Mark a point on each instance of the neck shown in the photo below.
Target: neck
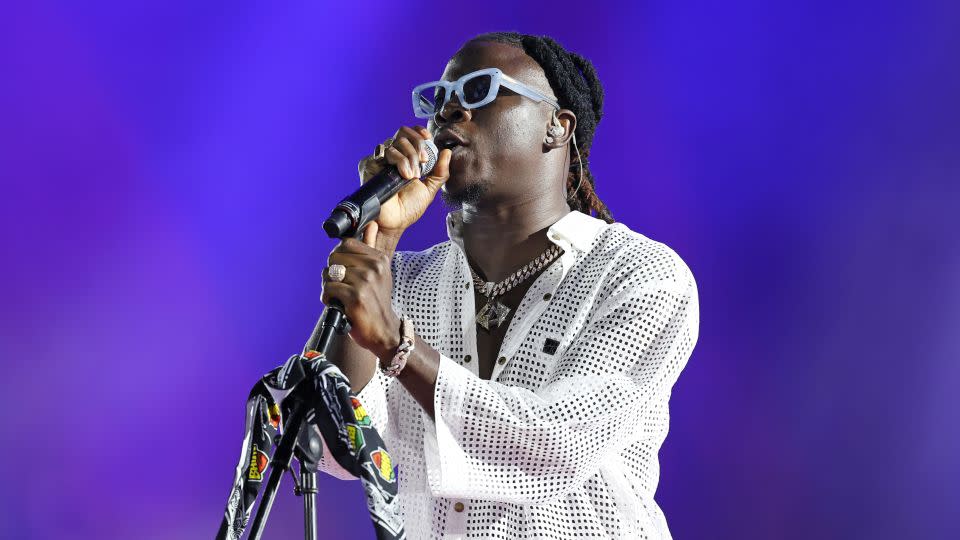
{"x": 502, "y": 237}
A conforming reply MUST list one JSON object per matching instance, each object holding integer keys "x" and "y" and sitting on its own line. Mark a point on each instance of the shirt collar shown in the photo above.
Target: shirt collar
{"x": 575, "y": 230}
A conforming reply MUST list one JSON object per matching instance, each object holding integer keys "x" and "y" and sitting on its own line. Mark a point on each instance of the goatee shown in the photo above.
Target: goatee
{"x": 470, "y": 194}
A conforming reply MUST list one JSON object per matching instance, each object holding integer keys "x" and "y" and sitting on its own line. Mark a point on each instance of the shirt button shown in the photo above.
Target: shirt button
{"x": 458, "y": 507}
{"x": 502, "y": 360}
{"x": 547, "y": 297}
{"x": 466, "y": 285}
{"x": 467, "y": 358}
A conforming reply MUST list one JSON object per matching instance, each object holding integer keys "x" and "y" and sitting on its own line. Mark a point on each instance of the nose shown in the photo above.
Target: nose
{"x": 452, "y": 111}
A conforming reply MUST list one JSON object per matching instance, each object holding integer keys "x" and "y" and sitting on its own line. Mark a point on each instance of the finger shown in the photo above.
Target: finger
{"x": 354, "y": 275}
{"x": 416, "y": 135}
{"x": 354, "y": 248}
{"x": 424, "y": 135}
{"x": 368, "y": 261}
{"x": 352, "y": 256}
{"x": 370, "y": 234}
{"x": 325, "y": 274}
{"x": 343, "y": 292}
{"x": 410, "y": 151}
{"x": 397, "y": 159}
{"x": 357, "y": 277}
{"x": 407, "y": 132}
{"x": 368, "y": 168}
{"x": 424, "y": 132}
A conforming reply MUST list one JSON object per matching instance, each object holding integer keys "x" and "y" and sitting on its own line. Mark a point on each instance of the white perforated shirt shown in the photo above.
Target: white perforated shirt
{"x": 562, "y": 441}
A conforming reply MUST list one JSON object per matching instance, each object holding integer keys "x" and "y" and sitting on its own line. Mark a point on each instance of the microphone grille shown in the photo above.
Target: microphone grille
{"x": 432, "y": 152}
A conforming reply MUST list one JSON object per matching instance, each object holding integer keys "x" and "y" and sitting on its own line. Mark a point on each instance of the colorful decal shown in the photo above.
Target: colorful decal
{"x": 359, "y": 412}
{"x": 258, "y": 463}
{"x": 334, "y": 408}
{"x": 384, "y": 465}
{"x": 356, "y": 437}
{"x": 274, "y": 411}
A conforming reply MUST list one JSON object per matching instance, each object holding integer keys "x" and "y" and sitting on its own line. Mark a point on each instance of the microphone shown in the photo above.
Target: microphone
{"x": 363, "y": 205}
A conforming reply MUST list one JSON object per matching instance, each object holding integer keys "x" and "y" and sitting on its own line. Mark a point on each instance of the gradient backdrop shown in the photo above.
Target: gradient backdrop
{"x": 165, "y": 166}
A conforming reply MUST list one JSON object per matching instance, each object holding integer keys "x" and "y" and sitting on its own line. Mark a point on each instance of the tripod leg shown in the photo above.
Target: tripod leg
{"x": 308, "y": 486}
{"x": 280, "y": 462}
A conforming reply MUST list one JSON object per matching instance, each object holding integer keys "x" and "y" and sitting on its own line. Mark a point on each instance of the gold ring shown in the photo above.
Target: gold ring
{"x": 380, "y": 152}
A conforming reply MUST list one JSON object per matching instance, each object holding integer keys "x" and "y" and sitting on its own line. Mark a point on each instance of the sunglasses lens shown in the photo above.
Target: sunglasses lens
{"x": 438, "y": 98}
{"x": 431, "y": 99}
{"x": 476, "y": 89}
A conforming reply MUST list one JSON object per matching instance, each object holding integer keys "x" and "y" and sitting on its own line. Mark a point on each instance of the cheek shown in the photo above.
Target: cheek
{"x": 516, "y": 137}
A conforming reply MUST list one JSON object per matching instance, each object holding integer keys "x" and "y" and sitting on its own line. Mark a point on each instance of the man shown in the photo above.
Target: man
{"x": 545, "y": 341}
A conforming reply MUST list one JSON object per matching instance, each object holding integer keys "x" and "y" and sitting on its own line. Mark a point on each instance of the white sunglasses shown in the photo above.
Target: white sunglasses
{"x": 475, "y": 89}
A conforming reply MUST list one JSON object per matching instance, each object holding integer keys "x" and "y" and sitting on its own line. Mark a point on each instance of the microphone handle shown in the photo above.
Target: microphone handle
{"x": 352, "y": 214}
{"x": 382, "y": 186}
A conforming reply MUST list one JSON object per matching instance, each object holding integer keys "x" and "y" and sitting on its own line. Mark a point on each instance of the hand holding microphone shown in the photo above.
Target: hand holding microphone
{"x": 399, "y": 166}
{"x": 363, "y": 283}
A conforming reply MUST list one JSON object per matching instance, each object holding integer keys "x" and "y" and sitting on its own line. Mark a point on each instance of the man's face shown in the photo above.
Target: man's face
{"x": 503, "y": 155}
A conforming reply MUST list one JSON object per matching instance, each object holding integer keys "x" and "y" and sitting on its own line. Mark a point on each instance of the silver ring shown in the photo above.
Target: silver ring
{"x": 337, "y": 272}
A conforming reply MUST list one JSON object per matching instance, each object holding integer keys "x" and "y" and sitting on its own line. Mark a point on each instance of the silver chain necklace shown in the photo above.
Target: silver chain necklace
{"x": 495, "y": 312}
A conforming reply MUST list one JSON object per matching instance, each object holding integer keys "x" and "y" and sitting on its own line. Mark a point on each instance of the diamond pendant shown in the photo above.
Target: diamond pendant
{"x": 492, "y": 315}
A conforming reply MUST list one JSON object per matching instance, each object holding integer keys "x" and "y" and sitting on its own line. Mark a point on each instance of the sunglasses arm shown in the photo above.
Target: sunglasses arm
{"x": 525, "y": 90}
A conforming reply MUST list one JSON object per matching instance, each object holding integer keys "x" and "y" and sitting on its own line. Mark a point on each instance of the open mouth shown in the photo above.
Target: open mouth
{"x": 447, "y": 138}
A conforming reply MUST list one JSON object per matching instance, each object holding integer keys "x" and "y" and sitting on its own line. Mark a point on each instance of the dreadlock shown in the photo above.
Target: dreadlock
{"x": 574, "y": 80}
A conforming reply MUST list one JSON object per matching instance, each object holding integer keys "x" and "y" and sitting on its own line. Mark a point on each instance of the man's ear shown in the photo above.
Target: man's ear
{"x": 562, "y": 125}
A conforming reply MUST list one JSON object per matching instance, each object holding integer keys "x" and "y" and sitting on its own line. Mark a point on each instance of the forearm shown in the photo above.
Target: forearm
{"x": 358, "y": 364}
{"x": 387, "y": 242}
{"x": 419, "y": 376}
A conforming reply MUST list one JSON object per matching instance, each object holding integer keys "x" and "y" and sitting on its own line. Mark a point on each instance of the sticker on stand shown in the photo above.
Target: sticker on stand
{"x": 258, "y": 464}
{"x": 384, "y": 465}
{"x": 359, "y": 412}
{"x": 356, "y": 437}
{"x": 274, "y": 411}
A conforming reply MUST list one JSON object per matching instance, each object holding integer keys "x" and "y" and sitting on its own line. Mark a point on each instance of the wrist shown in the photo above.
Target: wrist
{"x": 398, "y": 361}
{"x": 387, "y": 240}
{"x": 388, "y": 343}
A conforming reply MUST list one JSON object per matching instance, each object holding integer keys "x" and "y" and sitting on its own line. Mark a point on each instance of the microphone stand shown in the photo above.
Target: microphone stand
{"x": 347, "y": 219}
{"x": 295, "y": 430}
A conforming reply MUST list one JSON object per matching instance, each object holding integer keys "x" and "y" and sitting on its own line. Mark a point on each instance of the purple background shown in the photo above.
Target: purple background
{"x": 165, "y": 166}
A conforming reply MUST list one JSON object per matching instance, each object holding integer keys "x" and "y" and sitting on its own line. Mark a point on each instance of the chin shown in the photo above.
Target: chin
{"x": 457, "y": 191}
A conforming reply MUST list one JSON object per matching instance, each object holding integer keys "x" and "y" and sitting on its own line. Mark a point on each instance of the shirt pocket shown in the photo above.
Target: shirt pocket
{"x": 549, "y": 347}
{"x": 546, "y": 350}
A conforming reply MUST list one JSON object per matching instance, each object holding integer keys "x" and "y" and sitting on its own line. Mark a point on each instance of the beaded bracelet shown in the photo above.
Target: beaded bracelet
{"x": 403, "y": 350}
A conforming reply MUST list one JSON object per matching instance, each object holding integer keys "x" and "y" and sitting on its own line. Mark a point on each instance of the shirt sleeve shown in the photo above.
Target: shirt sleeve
{"x": 496, "y": 442}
